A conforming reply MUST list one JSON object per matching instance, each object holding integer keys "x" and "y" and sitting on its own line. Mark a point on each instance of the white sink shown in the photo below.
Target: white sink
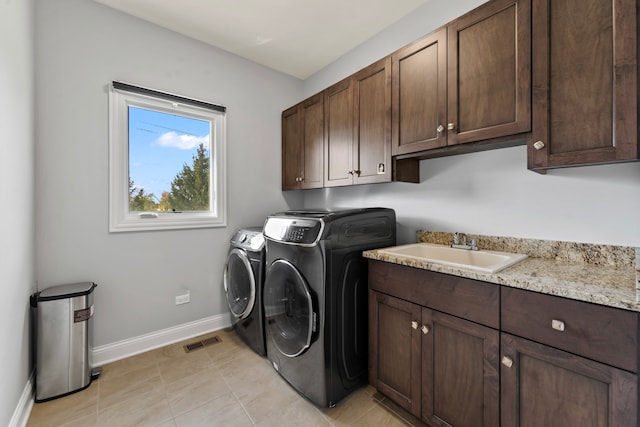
{"x": 487, "y": 261}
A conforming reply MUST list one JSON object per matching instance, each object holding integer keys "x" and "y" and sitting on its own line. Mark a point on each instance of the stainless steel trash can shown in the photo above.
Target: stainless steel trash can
{"x": 64, "y": 340}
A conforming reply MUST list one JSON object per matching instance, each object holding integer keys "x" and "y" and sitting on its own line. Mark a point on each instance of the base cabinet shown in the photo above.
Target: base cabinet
{"x": 460, "y": 372}
{"x": 439, "y": 367}
{"x": 460, "y": 352}
{"x": 395, "y": 350}
{"x": 543, "y": 386}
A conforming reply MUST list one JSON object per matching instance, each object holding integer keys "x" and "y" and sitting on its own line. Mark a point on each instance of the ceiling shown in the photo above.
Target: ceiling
{"x": 296, "y": 37}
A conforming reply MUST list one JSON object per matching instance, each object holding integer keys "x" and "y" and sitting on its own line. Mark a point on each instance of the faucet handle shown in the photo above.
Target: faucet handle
{"x": 456, "y": 238}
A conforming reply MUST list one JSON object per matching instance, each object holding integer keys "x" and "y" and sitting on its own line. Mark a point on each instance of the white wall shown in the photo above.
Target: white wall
{"x": 491, "y": 192}
{"x": 16, "y": 188}
{"x": 432, "y": 15}
{"x": 81, "y": 46}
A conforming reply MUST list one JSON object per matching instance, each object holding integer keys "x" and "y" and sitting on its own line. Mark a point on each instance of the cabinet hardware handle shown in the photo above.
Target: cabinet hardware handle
{"x": 558, "y": 325}
{"x": 440, "y": 128}
{"x": 451, "y": 126}
{"x": 357, "y": 172}
{"x": 538, "y": 145}
{"x": 425, "y": 329}
{"x": 297, "y": 179}
{"x": 507, "y": 361}
{"x": 350, "y": 172}
{"x": 414, "y": 324}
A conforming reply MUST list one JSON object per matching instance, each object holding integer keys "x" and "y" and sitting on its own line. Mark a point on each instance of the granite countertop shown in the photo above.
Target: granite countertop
{"x": 600, "y": 274}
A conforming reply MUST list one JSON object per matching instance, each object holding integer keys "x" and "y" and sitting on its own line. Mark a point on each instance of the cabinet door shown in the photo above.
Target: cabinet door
{"x": 338, "y": 122}
{"x": 585, "y": 83}
{"x": 419, "y": 95}
{"x": 291, "y": 148}
{"x": 394, "y": 349}
{"x": 541, "y": 385}
{"x": 313, "y": 142}
{"x": 460, "y": 372}
{"x": 372, "y": 120}
{"x": 489, "y": 65}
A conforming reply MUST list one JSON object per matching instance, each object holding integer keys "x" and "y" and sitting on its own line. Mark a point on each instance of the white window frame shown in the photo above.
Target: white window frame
{"x": 120, "y": 219}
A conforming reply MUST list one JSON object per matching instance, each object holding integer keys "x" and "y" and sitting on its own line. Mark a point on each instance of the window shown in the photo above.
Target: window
{"x": 166, "y": 161}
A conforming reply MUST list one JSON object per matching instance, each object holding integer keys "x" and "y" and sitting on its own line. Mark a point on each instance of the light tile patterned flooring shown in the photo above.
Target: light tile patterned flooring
{"x": 224, "y": 384}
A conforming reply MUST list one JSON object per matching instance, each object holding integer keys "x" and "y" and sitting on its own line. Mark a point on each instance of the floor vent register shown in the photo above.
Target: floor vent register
{"x": 201, "y": 344}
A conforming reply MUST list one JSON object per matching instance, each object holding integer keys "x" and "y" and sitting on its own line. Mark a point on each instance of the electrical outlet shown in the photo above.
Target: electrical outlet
{"x": 183, "y": 299}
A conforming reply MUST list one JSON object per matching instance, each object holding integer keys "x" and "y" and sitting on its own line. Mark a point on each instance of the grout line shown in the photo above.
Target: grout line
{"x": 154, "y": 364}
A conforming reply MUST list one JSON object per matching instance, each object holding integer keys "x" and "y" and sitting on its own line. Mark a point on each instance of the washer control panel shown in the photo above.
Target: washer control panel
{"x": 249, "y": 239}
{"x": 299, "y": 231}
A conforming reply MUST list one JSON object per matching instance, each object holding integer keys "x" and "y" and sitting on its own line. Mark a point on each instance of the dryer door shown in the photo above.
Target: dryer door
{"x": 239, "y": 283}
{"x": 288, "y": 308}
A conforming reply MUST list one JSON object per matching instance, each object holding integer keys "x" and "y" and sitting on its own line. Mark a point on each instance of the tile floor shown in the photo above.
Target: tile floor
{"x": 224, "y": 384}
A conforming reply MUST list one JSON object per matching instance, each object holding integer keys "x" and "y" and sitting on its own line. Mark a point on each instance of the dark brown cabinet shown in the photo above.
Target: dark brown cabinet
{"x": 489, "y": 66}
{"x": 584, "y": 83}
{"x": 395, "y": 350}
{"x": 303, "y": 144}
{"x": 572, "y": 363}
{"x": 460, "y": 352}
{"x": 428, "y": 361}
{"x": 419, "y": 95}
{"x": 358, "y": 128}
{"x": 468, "y": 82}
{"x": 338, "y": 122}
{"x": 561, "y": 76}
{"x": 459, "y": 364}
{"x": 372, "y": 120}
{"x": 545, "y": 386}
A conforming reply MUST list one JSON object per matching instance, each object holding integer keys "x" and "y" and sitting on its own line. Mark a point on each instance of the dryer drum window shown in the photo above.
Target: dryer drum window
{"x": 239, "y": 284}
{"x": 288, "y": 306}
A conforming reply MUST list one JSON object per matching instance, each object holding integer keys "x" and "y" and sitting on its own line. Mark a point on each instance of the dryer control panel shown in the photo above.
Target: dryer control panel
{"x": 299, "y": 231}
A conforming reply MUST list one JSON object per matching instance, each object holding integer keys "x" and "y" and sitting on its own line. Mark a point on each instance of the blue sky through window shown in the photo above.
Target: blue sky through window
{"x": 159, "y": 145}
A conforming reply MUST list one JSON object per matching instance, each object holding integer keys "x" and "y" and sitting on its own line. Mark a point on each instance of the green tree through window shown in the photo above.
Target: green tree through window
{"x": 190, "y": 187}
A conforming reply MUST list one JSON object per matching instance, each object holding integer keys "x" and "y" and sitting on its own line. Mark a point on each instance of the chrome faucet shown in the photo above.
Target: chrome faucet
{"x": 457, "y": 245}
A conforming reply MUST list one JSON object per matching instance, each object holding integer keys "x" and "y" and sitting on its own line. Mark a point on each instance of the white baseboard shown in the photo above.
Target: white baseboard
{"x": 122, "y": 349}
{"x": 119, "y": 350}
{"x": 23, "y": 410}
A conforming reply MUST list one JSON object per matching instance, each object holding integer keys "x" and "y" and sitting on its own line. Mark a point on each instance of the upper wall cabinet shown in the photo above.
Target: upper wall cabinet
{"x": 419, "y": 95}
{"x": 302, "y": 144}
{"x": 358, "y": 127}
{"x": 584, "y": 83}
{"x": 468, "y": 82}
{"x": 489, "y": 67}
{"x": 372, "y": 121}
{"x": 338, "y": 124}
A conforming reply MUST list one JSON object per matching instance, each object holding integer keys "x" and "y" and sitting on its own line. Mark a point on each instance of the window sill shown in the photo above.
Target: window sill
{"x": 177, "y": 221}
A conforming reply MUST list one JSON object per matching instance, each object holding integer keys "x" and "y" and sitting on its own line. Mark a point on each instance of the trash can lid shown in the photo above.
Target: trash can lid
{"x": 66, "y": 291}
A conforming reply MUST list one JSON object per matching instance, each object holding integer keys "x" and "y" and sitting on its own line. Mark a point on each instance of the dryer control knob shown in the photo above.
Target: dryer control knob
{"x": 243, "y": 238}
